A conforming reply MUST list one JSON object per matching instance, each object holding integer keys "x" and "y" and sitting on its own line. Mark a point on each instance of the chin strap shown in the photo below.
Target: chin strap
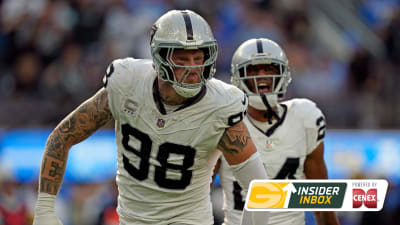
{"x": 270, "y": 113}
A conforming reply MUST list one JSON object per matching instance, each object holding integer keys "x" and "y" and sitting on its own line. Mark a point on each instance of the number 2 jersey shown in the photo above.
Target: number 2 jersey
{"x": 165, "y": 161}
{"x": 283, "y": 149}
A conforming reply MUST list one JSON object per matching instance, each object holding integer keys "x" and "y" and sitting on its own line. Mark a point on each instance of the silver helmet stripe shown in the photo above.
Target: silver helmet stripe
{"x": 189, "y": 27}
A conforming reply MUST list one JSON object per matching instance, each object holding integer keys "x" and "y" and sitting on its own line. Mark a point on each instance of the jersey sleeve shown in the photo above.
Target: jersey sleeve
{"x": 314, "y": 123}
{"x": 118, "y": 82}
{"x": 234, "y": 106}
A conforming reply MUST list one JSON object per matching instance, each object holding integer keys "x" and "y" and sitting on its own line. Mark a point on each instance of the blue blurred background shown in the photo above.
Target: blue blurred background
{"x": 348, "y": 153}
{"x": 344, "y": 55}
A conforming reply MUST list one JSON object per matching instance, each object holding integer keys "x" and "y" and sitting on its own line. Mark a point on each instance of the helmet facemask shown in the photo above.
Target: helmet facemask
{"x": 165, "y": 67}
{"x": 277, "y": 87}
{"x": 261, "y": 51}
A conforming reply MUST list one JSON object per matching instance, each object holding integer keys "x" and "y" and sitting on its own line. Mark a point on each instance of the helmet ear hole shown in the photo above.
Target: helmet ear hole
{"x": 206, "y": 72}
{"x": 168, "y": 71}
{"x": 163, "y": 53}
{"x": 207, "y": 69}
{"x": 241, "y": 72}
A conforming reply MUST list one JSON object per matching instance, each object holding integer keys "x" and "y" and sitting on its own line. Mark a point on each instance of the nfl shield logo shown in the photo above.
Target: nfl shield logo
{"x": 160, "y": 123}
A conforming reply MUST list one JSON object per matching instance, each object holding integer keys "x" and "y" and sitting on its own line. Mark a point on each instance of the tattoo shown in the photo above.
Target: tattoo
{"x": 76, "y": 127}
{"x": 54, "y": 146}
{"x": 235, "y": 139}
{"x": 52, "y": 174}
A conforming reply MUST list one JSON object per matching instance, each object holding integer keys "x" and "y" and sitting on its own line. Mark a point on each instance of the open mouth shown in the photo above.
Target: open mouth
{"x": 263, "y": 87}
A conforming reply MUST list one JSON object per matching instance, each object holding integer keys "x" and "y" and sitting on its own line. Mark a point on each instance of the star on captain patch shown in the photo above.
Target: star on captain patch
{"x": 160, "y": 123}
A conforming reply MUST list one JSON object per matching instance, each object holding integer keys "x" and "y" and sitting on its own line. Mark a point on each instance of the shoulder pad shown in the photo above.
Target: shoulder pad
{"x": 121, "y": 74}
{"x": 230, "y": 99}
{"x": 307, "y": 111}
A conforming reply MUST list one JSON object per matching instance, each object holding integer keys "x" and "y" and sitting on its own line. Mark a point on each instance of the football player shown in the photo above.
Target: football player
{"x": 170, "y": 117}
{"x": 288, "y": 135}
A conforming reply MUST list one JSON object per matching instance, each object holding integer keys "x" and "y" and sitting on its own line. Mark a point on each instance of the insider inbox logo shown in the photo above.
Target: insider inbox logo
{"x": 365, "y": 193}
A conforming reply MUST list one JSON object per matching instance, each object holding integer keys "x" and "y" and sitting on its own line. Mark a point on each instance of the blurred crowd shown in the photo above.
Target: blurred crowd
{"x": 54, "y": 54}
{"x": 76, "y": 204}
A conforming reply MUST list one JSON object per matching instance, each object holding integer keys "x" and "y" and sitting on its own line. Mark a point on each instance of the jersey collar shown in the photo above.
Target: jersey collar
{"x": 188, "y": 102}
{"x": 272, "y": 129}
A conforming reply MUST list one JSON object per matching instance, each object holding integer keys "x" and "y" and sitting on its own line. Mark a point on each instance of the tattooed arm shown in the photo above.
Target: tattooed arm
{"x": 245, "y": 163}
{"x": 241, "y": 154}
{"x": 236, "y": 144}
{"x": 76, "y": 127}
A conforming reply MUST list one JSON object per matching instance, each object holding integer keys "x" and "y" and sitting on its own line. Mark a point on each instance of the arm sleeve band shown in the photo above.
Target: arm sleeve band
{"x": 245, "y": 172}
{"x": 249, "y": 170}
{"x": 255, "y": 217}
{"x": 45, "y": 211}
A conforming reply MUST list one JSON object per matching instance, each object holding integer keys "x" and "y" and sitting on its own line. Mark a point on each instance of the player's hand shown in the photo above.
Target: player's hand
{"x": 44, "y": 210}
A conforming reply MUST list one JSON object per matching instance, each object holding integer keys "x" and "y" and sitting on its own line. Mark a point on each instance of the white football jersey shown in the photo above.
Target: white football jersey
{"x": 283, "y": 149}
{"x": 165, "y": 161}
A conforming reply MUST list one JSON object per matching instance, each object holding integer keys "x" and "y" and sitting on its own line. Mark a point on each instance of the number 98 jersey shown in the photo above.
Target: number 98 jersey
{"x": 165, "y": 161}
{"x": 283, "y": 149}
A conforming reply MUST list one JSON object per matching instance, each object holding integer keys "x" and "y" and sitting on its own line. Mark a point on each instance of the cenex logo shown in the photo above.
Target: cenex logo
{"x": 369, "y": 198}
